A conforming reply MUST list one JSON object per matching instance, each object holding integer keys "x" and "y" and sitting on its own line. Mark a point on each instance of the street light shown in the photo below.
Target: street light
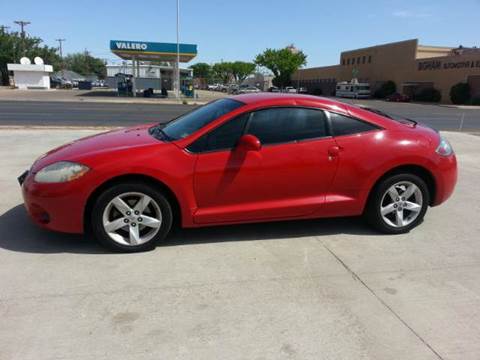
{"x": 177, "y": 75}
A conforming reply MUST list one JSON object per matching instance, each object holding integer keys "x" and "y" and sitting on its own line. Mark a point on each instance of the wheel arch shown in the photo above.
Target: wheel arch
{"x": 414, "y": 169}
{"x": 172, "y": 198}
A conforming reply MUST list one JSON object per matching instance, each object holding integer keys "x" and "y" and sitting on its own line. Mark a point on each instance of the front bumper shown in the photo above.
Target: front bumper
{"x": 58, "y": 206}
{"x": 21, "y": 178}
{"x": 445, "y": 178}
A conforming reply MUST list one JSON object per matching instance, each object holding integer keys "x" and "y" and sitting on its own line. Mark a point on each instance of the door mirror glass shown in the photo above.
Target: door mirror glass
{"x": 249, "y": 143}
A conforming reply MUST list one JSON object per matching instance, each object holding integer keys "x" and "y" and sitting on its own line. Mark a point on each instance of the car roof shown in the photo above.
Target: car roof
{"x": 280, "y": 97}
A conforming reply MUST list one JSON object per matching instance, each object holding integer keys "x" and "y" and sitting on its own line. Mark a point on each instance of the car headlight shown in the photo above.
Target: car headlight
{"x": 60, "y": 172}
{"x": 444, "y": 148}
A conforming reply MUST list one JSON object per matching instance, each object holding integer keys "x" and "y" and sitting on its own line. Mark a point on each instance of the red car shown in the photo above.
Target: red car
{"x": 247, "y": 158}
{"x": 397, "y": 97}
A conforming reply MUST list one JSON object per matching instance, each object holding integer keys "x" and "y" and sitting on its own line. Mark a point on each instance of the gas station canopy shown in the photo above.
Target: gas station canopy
{"x": 148, "y": 51}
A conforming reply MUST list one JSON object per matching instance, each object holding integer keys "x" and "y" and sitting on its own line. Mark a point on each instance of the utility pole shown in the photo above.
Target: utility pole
{"x": 177, "y": 75}
{"x": 4, "y": 28}
{"x": 60, "y": 49}
{"x": 22, "y": 24}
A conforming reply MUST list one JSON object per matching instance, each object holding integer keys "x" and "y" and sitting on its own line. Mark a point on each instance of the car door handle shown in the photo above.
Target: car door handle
{"x": 333, "y": 152}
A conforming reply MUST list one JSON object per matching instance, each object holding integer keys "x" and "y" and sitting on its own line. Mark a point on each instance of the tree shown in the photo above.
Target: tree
{"x": 222, "y": 72}
{"x": 241, "y": 70}
{"x": 282, "y": 63}
{"x": 201, "y": 70}
{"x": 85, "y": 64}
{"x": 460, "y": 93}
{"x": 11, "y": 45}
{"x": 388, "y": 88}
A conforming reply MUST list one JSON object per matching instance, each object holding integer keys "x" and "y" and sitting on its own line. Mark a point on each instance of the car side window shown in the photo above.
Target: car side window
{"x": 224, "y": 137}
{"x": 344, "y": 125}
{"x": 279, "y": 125}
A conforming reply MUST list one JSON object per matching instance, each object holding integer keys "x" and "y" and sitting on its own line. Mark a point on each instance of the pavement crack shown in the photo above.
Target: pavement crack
{"x": 388, "y": 307}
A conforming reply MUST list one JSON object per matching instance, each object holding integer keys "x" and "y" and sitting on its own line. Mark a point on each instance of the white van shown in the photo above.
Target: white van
{"x": 353, "y": 90}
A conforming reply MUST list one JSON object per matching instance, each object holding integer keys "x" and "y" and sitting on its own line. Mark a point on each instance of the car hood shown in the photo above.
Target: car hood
{"x": 107, "y": 142}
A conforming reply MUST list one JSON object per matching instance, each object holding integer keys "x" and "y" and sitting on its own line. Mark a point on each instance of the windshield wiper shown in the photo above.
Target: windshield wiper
{"x": 158, "y": 133}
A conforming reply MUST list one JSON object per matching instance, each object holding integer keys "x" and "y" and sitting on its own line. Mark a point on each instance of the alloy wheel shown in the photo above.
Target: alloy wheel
{"x": 401, "y": 204}
{"x": 132, "y": 218}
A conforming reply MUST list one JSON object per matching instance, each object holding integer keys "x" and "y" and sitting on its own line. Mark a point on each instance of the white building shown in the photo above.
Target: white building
{"x": 147, "y": 75}
{"x": 31, "y": 76}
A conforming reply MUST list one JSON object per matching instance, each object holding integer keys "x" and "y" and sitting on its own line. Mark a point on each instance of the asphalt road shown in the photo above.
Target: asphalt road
{"x": 41, "y": 113}
{"x": 30, "y": 113}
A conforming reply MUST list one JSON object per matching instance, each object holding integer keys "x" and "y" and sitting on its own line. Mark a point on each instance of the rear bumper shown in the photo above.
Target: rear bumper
{"x": 445, "y": 178}
{"x": 57, "y": 207}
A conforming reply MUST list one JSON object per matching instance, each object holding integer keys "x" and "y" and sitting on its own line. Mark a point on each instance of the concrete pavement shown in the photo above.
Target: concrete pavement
{"x": 325, "y": 289}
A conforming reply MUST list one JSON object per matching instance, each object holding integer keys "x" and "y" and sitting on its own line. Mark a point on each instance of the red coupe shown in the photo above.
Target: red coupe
{"x": 247, "y": 158}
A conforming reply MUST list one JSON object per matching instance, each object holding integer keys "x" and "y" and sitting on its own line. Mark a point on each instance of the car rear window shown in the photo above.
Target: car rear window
{"x": 345, "y": 125}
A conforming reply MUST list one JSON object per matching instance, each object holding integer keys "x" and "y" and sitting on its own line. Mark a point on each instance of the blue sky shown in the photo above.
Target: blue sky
{"x": 238, "y": 30}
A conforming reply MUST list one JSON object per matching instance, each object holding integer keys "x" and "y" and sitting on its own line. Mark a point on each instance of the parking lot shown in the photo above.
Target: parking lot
{"x": 323, "y": 289}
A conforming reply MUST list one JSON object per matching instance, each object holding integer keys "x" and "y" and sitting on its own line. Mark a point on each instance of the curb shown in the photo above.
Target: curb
{"x": 109, "y": 101}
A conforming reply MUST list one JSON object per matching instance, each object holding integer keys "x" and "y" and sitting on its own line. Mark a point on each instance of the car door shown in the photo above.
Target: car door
{"x": 288, "y": 177}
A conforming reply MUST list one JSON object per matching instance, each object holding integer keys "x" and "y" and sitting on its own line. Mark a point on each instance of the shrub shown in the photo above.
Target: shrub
{"x": 388, "y": 88}
{"x": 429, "y": 94}
{"x": 475, "y": 101}
{"x": 460, "y": 93}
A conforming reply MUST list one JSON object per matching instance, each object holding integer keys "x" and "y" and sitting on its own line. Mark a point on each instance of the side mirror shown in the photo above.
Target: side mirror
{"x": 249, "y": 143}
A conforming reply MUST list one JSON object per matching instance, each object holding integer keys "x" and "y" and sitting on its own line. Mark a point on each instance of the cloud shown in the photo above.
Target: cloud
{"x": 406, "y": 14}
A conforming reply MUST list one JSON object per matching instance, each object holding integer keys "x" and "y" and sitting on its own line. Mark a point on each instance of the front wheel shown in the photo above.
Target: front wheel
{"x": 131, "y": 217}
{"x": 398, "y": 204}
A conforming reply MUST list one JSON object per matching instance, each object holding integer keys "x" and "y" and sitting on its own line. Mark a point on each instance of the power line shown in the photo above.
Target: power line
{"x": 60, "y": 48}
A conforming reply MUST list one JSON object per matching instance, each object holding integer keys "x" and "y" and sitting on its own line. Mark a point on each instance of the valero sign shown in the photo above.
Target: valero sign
{"x": 129, "y": 45}
{"x": 144, "y": 50}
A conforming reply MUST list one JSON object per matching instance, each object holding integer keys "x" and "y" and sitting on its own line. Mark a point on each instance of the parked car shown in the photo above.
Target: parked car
{"x": 233, "y": 89}
{"x": 222, "y": 88}
{"x": 273, "y": 89}
{"x": 354, "y": 90}
{"x": 397, "y": 97}
{"x": 290, "y": 90}
{"x": 246, "y": 158}
{"x": 302, "y": 90}
{"x": 213, "y": 87}
{"x": 247, "y": 89}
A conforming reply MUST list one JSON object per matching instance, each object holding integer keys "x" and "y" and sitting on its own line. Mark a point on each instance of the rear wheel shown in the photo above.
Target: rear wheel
{"x": 398, "y": 204}
{"x": 131, "y": 217}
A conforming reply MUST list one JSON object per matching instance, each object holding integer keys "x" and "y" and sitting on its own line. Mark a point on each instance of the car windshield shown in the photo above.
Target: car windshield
{"x": 394, "y": 117}
{"x": 187, "y": 124}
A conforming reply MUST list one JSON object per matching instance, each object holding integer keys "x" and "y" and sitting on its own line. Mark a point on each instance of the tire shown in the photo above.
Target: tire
{"x": 387, "y": 198}
{"x": 131, "y": 217}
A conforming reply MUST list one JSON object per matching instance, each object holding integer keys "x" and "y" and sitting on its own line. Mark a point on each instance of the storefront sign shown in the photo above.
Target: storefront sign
{"x": 446, "y": 65}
